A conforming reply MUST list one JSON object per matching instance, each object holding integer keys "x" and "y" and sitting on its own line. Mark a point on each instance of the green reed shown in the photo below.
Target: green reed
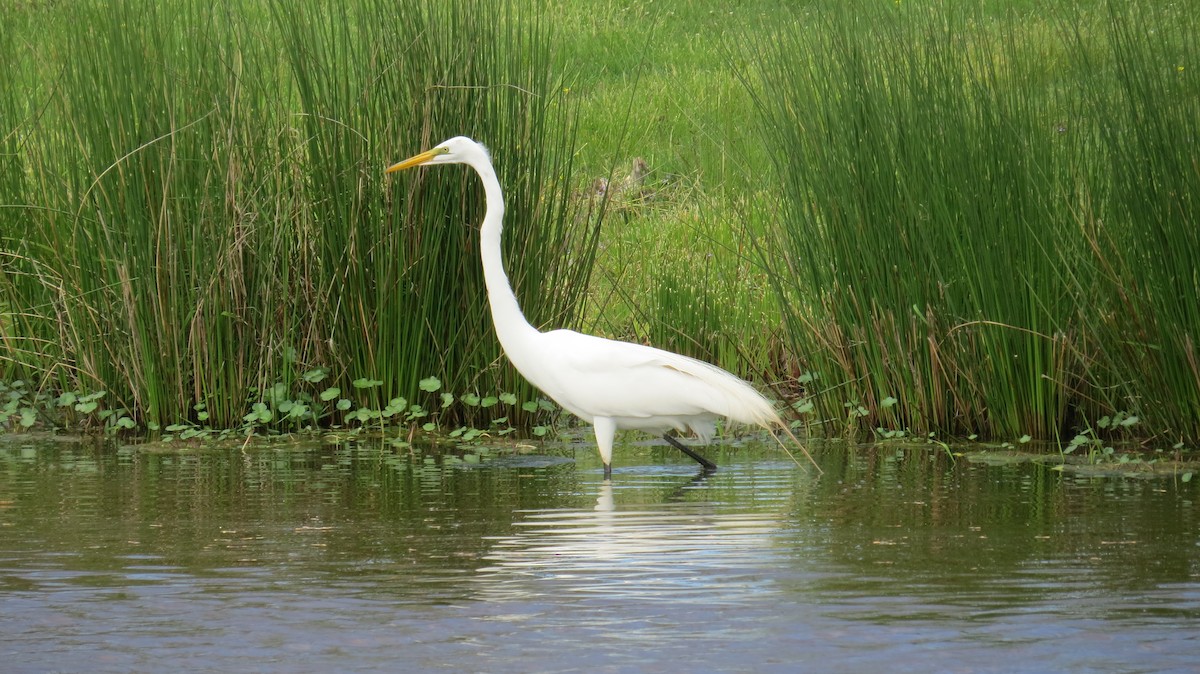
{"x": 937, "y": 165}
{"x": 204, "y": 220}
{"x": 122, "y": 230}
{"x": 708, "y": 299}
{"x": 1139, "y": 104}
{"x": 406, "y": 272}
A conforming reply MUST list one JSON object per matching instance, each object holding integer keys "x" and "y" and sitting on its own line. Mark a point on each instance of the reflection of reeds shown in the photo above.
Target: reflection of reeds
{"x": 203, "y": 210}
{"x": 993, "y": 220}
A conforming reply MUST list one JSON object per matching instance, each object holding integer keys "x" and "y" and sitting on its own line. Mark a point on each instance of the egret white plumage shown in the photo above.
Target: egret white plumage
{"x": 610, "y": 384}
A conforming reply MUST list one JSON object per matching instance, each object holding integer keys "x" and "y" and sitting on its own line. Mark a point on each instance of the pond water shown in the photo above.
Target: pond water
{"x": 363, "y": 558}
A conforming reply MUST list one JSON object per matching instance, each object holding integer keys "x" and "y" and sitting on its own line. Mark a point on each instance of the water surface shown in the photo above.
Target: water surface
{"x": 362, "y": 558}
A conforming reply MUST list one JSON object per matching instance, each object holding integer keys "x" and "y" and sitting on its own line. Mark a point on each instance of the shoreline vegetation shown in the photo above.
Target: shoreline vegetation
{"x": 912, "y": 223}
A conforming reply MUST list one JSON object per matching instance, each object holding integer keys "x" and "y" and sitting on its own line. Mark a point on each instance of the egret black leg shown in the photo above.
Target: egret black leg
{"x": 708, "y": 465}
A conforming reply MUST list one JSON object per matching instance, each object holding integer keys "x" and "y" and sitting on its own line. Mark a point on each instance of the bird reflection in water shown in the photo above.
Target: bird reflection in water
{"x": 679, "y": 549}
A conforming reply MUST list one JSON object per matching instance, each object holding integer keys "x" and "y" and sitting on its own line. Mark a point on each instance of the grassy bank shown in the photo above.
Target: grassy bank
{"x": 977, "y": 221}
{"x": 990, "y": 219}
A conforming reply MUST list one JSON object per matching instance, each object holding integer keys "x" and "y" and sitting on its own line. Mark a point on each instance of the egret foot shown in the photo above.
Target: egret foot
{"x": 708, "y": 465}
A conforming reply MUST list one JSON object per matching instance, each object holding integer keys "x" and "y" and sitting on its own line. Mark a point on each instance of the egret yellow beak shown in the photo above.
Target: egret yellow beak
{"x": 416, "y": 160}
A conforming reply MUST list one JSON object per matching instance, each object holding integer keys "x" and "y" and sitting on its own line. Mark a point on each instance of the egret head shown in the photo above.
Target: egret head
{"x": 457, "y": 150}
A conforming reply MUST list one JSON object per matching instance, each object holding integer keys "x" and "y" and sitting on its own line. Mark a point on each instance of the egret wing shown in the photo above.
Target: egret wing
{"x": 592, "y": 376}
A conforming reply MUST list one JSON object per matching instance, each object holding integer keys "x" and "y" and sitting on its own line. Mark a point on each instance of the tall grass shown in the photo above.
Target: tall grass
{"x": 708, "y": 298}
{"x": 12, "y": 184}
{"x": 406, "y": 271}
{"x": 1140, "y": 105}
{"x": 698, "y": 292}
{"x": 942, "y": 171}
{"x": 203, "y": 222}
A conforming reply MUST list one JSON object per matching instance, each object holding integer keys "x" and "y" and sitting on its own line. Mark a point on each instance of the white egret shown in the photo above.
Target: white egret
{"x": 610, "y": 384}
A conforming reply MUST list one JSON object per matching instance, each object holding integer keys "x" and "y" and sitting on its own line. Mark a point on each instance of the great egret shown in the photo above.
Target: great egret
{"x": 611, "y": 385}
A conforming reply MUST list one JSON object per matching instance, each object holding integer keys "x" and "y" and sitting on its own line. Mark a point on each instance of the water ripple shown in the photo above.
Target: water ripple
{"x": 678, "y": 552}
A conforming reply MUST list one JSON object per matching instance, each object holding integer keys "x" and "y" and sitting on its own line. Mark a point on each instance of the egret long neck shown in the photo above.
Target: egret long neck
{"x": 506, "y": 312}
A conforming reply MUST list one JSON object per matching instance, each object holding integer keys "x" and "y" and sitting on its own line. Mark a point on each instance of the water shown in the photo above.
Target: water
{"x": 363, "y": 558}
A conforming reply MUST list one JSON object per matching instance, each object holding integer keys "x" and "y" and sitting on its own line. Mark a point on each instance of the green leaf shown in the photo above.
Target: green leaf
{"x": 365, "y": 414}
{"x": 314, "y": 376}
{"x": 1186, "y": 477}
{"x": 508, "y": 399}
{"x": 1025, "y": 438}
{"x": 430, "y": 384}
{"x": 489, "y": 401}
{"x": 530, "y": 406}
{"x": 366, "y": 382}
{"x": 470, "y": 399}
{"x": 539, "y": 431}
{"x": 888, "y": 402}
{"x": 66, "y": 399}
{"x": 344, "y": 404}
{"x": 330, "y": 393}
{"x": 259, "y": 413}
{"x": 447, "y": 399}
